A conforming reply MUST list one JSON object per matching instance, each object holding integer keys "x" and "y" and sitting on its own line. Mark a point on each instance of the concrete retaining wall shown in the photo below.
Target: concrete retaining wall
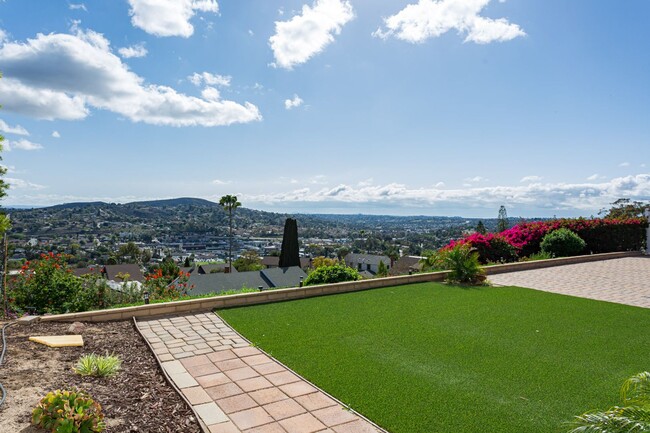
{"x": 207, "y": 304}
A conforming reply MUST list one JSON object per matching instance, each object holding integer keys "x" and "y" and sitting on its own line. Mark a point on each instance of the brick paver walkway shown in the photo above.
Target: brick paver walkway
{"x": 237, "y": 388}
{"x": 624, "y": 281}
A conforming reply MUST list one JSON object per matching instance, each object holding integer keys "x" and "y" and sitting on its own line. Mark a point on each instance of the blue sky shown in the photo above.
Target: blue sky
{"x": 448, "y": 107}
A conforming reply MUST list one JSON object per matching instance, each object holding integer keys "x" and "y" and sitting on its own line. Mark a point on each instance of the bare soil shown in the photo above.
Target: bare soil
{"x": 137, "y": 399}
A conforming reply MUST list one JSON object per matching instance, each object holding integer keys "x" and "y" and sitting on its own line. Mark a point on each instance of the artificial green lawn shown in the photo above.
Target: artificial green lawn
{"x": 435, "y": 358}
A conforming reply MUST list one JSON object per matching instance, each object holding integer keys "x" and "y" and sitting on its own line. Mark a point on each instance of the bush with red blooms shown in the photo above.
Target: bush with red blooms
{"x": 601, "y": 235}
{"x": 161, "y": 286}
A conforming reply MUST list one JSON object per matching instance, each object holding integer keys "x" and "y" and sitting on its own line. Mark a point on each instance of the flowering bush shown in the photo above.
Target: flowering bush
{"x": 161, "y": 286}
{"x": 601, "y": 235}
{"x": 45, "y": 286}
{"x": 332, "y": 274}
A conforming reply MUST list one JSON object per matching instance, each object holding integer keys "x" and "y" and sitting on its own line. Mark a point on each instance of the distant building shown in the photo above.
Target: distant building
{"x": 274, "y": 261}
{"x": 268, "y": 278}
{"x": 406, "y": 264}
{"x": 213, "y": 268}
{"x": 366, "y": 262}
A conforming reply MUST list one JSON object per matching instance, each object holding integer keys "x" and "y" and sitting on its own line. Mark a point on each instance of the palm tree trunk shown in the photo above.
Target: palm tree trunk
{"x": 230, "y": 247}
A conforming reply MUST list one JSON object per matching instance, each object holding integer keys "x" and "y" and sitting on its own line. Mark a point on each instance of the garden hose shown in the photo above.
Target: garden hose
{"x": 2, "y": 357}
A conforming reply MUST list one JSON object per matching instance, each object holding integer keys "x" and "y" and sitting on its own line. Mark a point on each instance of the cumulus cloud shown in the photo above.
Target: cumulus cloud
{"x": 293, "y": 103}
{"x": 199, "y": 78}
{"x": 168, "y": 17}
{"x": 61, "y": 76}
{"x": 624, "y": 164}
{"x": 21, "y": 144}
{"x": 18, "y": 130}
{"x": 220, "y": 182}
{"x": 297, "y": 40}
{"x": 56, "y": 134}
{"x": 476, "y": 179}
{"x": 3, "y": 36}
{"x": 432, "y": 18}
{"x": 531, "y": 179}
{"x": 137, "y": 50}
{"x": 563, "y": 196}
{"x": 79, "y": 6}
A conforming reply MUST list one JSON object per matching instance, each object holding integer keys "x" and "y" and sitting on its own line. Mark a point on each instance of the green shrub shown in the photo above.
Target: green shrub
{"x": 331, "y": 274}
{"x": 68, "y": 412}
{"x": 462, "y": 262}
{"x": 537, "y": 256}
{"x": 562, "y": 243}
{"x": 97, "y": 365}
{"x": 46, "y": 285}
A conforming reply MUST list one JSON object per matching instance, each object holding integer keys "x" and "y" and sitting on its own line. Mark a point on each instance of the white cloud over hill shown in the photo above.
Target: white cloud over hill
{"x": 432, "y": 18}
{"x": 63, "y": 76}
{"x": 297, "y": 40}
{"x": 580, "y": 196}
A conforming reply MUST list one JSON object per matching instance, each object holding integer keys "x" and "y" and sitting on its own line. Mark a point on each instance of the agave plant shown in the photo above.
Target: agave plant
{"x": 633, "y": 416}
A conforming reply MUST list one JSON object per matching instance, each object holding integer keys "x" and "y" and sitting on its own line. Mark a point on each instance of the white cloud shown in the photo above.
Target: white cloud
{"x": 439, "y": 185}
{"x": 562, "y": 196}
{"x": 80, "y": 6}
{"x": 305, "y": 35}
{"x": 3, "y": 36}
{"x": 168, "y": 17}
{"x": 293, "y": 103}
{"x": 56, "y": 134}
{"x": 137, "y": 50}
{"x": 432, "y": 18}
{"x": 209, "y": 79}
{"x": 23, "y": 184}
{"x": 595, "y": 176}
{"x": 18, "y": 130}
{"x": 531, "y": 179}
{"x": 624, "y": 164}
{"x": 476, "y": 179}
{"x": 220, "y": 182}
{"x": 21, "y": 144}
{"x": 211, "y": 94}
{"x": 61, "y": 76}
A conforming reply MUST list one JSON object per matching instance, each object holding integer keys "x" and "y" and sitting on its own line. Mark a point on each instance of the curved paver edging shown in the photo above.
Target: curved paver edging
{"x": 237, "y": 388}
{"x": 169, "y": 379}
{"x": 209, "y": 304}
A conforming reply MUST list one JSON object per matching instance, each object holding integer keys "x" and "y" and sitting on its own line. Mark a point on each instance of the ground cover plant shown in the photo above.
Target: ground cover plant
{"x": 434, "y": 357}
{"x": 97, "y": 365}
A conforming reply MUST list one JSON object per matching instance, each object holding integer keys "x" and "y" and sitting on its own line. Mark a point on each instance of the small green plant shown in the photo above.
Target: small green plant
{"x": 562, "y": 243}
{"x": 462, "y": 262}
{"x": 96, "y": 365}
{"x": 68, "y": 412}
{"x": 542, "y": 255}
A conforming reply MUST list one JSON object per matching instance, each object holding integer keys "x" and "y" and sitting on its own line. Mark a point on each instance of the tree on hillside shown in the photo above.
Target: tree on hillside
{"x": 290, "y": 251}
{"x": 229, "y": 203}
{"x": 480, "y": 228}
{"x": 625, "y": 208}
{"x": 502, "y": 223}
{"x": 249, "y": 261}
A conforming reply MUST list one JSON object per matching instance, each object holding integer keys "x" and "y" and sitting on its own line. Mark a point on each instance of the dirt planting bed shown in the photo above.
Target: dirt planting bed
{"x": 137, "y": 399}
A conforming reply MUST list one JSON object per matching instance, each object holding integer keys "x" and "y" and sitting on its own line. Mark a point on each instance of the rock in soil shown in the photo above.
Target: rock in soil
{"x": 76, "y": 328}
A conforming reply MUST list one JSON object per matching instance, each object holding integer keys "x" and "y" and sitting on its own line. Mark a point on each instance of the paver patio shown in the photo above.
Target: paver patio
{"x": 623, "y": 281}
{"x": 237, "y": 388}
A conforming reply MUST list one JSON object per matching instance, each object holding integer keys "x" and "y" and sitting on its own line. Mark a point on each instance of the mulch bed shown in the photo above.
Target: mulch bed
{"x": 137, "y": 399}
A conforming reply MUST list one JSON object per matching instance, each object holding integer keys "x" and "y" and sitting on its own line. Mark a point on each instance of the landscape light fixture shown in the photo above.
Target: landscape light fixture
{"x": 300, "y": 284}
{"x": 260, "y": 288}
{"x": 145, "y": 295}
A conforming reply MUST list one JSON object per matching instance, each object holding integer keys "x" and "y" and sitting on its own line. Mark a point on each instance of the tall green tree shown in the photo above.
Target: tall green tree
{"x": 625, "y": 208}
{"x": 229, "y": 203}
{"x": 502, "y": 223}
{"x": 480, "y": 228}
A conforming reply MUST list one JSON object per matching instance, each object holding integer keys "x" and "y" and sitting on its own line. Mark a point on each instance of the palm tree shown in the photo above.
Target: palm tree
{"x": 632, "y": 417}
{"x": 229, "y": 203}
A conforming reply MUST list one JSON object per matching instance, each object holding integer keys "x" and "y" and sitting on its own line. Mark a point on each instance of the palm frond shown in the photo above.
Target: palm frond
{"x": 614, "y": 420}
{"x": 636, "y": 389}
